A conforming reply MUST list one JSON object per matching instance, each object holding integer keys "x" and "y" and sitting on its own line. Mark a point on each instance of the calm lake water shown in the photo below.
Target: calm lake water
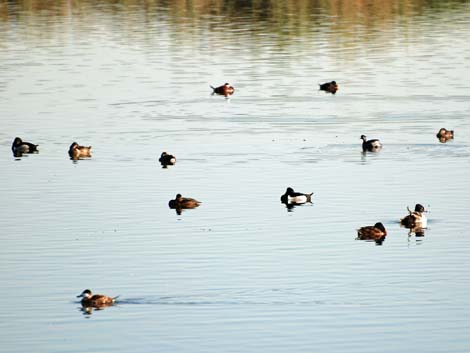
{"x": 241, "y": 273}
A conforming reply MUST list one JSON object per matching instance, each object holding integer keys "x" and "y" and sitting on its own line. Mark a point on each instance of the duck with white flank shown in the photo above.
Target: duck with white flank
{"x": 167, "y": 159}
{"x": 414, "y": 219}
{"x": 19, "y": 147}
{"x": 296, "y": 198}
{"x": 370, "y": 145}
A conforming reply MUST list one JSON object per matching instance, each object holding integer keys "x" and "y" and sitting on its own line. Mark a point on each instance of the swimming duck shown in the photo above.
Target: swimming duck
{"x": 183, "y": 202}
{"x": 330, "y": 87}
{"x": 370, "y": 145}
{"x": 417, "y": 218}
{"x": 224, "y": 90}
{"x": 167, "y": 159}
{"x": 376, "y": 232}
{"x": 19, "y": 146}
{"x": 292, "y": 197}
{"x": 443, "y": 135}
{"x": 96, "y": 300}
{"x": 76, "y": 151}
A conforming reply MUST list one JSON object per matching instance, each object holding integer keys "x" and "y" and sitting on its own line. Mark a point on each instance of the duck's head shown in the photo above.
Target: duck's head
{"x": 419, "y": 208}
{"x": 163, "y": 154}
{"x": 178, "y": 196}
{"x": 333, "y": 82}
{"x": 289, "y": 191}
{"x": 85, "y": 294}
{"x": 363, "y": 137}
{"x": 380, "y": 226}
{"x": 73, "y": 145}
{"x": 17, "y": 141}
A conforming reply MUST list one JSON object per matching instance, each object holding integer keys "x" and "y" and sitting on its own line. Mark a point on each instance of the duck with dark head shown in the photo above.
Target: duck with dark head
{"x": 224, "y": 90}
{"x": 180, "y": 203}
{"x": 95, "y": 300}
{"x": 76, "y": 151}
{"x": 19, "y": 147}
{"x": 370, "y": 145}
{"x": 167, "y": 159}
{"x": 445, "y": 135}
{"x": 416, "y": 218}
{"x": 329, "y": 87}
{"x": 377, "y": 233}
{"x": 291, "y": 197}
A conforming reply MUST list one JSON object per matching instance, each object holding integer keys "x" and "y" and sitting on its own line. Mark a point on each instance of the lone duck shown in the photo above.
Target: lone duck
{"x": 76, "y": 151}
{"x": 414, "y": 219}
{"x": 95, "y": 300}
{"x": 292, "y": 197}
{"x": 183, "y": 202}
{"x": 167, "y": 159}
{"x": 225, "y": 90}
{"x": 376, "y": 232}
{"x": 370, "y": 145}
{"x": 19, "y": 146}
{"x": 330, "y": 87}
{"x": 443, "y": 135}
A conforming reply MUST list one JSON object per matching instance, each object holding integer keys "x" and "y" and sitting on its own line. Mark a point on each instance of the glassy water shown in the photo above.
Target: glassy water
{"x": 241, "y": 273}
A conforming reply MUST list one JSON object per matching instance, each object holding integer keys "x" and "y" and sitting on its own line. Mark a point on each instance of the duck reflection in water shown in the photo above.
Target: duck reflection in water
{"x": 77, "y": 152}
{"x": 445, "y": 135}
{"x": 376, "y": 233}
{"x": 181, "y": 203}
{"x": 292, "y": 199}
{"x": 19, "y": 147}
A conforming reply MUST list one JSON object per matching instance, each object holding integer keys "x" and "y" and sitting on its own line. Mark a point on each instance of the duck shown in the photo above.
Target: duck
{"x": 167, "y": 159}
{"x": 414, "y": 219}
{"x": 181, "y": 202}
{"x": 443, "y": 135}
{"x": 19, "y": 146}
{"x": 76, "y": 151}
{"x": 370, "y": 145}
{"x": 377, "y": 232}
{"x": 95, "y": 300}
{"x": 330, "y": 87}
{"x": 292, "y": 197}
{"x": 225, "y": 90}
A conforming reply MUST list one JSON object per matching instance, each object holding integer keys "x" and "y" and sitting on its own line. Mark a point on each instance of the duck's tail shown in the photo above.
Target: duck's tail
{"x": 115, "y": 298}
{"x": 309, "y": 197}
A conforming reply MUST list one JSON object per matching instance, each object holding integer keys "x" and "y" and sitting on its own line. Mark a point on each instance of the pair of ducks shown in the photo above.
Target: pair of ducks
{"x": 374, "y": 145}
{"x": 75, "y": 150}
{"x": 415, "y": 219}
{"x": 227, "y": 90}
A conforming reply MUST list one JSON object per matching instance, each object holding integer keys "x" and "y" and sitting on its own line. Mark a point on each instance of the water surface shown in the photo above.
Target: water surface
{"x": 241, "y": 273}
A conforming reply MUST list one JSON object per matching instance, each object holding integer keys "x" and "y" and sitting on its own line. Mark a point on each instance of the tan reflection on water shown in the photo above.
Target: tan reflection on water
{"x": 294, "y": 14}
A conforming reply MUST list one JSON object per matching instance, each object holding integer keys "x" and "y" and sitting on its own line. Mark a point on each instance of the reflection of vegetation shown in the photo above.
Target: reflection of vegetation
{"x": 277, "y": 12}
{"x": 231, "y": 20}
